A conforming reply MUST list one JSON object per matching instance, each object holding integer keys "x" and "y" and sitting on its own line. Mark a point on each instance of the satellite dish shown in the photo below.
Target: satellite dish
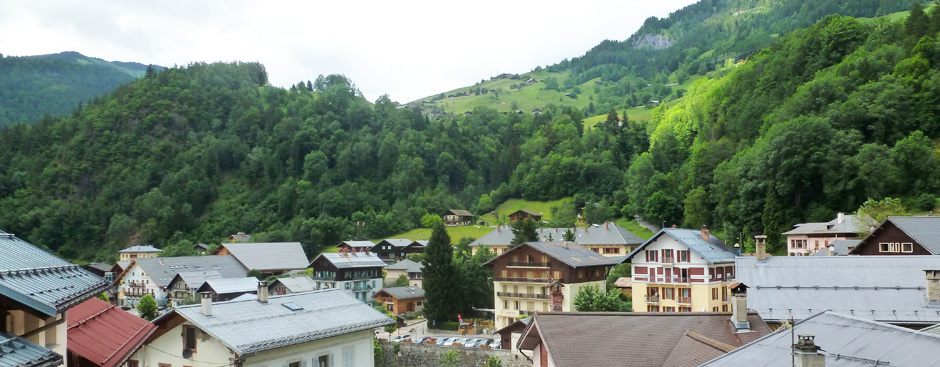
{"x": 187, "y": 353}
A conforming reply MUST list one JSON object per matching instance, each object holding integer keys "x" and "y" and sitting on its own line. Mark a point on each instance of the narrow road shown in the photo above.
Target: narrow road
{"x": 650, "y": 226}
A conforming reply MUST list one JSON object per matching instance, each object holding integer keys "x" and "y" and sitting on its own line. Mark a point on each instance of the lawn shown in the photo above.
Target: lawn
{"x": 512, "y": 205}
{"x": 456, "y": 233}
{"x": 634, "y": 227}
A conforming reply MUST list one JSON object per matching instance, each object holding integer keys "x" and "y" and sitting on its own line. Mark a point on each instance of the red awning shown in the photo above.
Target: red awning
{"x": 104, "y": 334}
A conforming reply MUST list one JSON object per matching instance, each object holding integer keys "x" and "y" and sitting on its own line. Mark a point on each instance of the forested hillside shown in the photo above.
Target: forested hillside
{"x": 32, "y": 86}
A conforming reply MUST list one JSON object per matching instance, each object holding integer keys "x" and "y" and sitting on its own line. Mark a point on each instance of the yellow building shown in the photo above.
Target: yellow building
{"x": 682, "y": 270}
{"x": 138, "y": 252}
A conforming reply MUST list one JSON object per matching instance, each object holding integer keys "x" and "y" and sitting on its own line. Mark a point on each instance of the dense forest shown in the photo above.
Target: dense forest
{"x": 55, "y": 84}
{"x": 823, "y": 119}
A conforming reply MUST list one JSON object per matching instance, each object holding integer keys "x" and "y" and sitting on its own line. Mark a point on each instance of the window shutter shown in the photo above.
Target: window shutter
{"x": 647, "y": 253}
{"x": 303, "y": 363}
{"x": 332, "y": 359}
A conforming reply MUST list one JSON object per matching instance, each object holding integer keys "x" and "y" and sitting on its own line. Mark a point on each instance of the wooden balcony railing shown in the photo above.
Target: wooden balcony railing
{"x": 528, "y": 264}
{"x": 522, "y": 295}
{"x": 523, "y": 280}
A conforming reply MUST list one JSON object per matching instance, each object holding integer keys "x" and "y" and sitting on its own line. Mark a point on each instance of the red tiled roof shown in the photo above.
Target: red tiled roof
{"x": 105, "y": 334}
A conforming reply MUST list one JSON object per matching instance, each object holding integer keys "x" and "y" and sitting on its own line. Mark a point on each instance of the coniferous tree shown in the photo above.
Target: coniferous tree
{"x": 917, "y": 22}
{"x": 441, "y": 278}
{"x": 523, "y": 231}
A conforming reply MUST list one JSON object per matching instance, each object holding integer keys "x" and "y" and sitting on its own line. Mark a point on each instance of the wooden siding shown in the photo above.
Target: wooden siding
{"x": 888, "y": 233}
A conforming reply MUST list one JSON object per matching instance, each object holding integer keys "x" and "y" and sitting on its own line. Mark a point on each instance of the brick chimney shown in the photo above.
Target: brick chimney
{"x": 761, "y": 244}
{"x": 933, "y": 287}
{"x": 706, "y": 236}
{"x": 263, "y": 291}
{"x": 206, "y": 303}
{"x": 806, "y": 353}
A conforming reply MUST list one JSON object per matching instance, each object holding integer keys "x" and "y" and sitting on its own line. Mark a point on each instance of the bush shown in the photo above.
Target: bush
{"x": 449, "y": 325}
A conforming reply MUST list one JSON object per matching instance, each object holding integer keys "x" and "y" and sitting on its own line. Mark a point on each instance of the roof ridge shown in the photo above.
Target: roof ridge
{"x": 724, "y": 347}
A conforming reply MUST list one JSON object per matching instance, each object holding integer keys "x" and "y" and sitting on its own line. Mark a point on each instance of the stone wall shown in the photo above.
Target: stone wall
{"x": 429, "y": 355}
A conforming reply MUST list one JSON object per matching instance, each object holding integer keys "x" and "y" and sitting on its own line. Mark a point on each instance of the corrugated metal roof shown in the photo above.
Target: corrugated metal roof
{"x": 141, "y": 248}
{"x": 839, "y": 248}
{"x": 268, "y": 256}
{"x": 18, "y": 352}
{"x": 409, "y": 292}
{"x": 358, "y": 244}
{"x": 611, "y": 234}
{"x": 848, "y": 225}
{"x": 195, "y": 279}
{"x": 882, "y": 288}
{"x": 230, "y": 285}
{"x": 162, "y": 270}
{"x": 713, "y": 251}
{"x": 42, "y": 281}
{"x": 845, "y": 341}
{"x": 348, "y": 261}
{"x": 406, "y": 265}
{"x": 297, "y": 284}
{"x": 569, "y": 253}
{"x": 396, "y": 242}
{"x": 250, "y": 326}
{"x": 105, "y": 334}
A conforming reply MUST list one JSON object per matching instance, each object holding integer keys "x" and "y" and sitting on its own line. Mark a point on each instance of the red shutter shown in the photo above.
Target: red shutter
{"x": 647, "y": 253}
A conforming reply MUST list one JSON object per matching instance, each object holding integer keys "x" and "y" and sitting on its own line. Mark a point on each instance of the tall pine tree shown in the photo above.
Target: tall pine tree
{"x": 442, "y": 291}
{"x": 523, "y": 231}
{"x": 916, "y": 24}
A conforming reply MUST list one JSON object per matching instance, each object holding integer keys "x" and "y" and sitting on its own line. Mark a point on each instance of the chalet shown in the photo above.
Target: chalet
{"x": 102, "y": 335}
{"x": 138, "y": 252}
{"x": 809, "y": 238}
{"x": 608, "y": 240}
{"x": 99, "y": 269}
{"x": 299, "y": 284}
{"x": 509, "y": 335}
{"x": 395, "y": 249}
{"x": 360, "y": 274}
{"x": 201, "y": 248}
{"x": 544, "y": 276}
{"x": 536, "y": 111}
{"x": 227, "y": 288}
{"x": 636, "y": 339}
{"x": 318, "y": 328}
{"x": 902, "y": 236}
{"x": 408, "y": 268}
{"x": 271, "y": 258}
{"x": 625, "y": 285}
{"x": 838, "y": 248}
{"x": 239, "y": 237}
{"x": 457, "y": 217}
{"x": 682, "y": 270}
{"x": 400, "y": 300}
{"x": 36, "y": 290}
{"x": 892, "y": 289}
{"x": 832, "y": 339}
{"x": 356, "y": 246}
{"x": 531, "y": 81}
{"x": 183, "y": 286}
{"x": 522, "y": 214}
{"x": 153, "y": 275}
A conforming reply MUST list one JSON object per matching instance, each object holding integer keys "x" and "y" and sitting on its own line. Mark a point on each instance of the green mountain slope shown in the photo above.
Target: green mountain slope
{"x": 32, "y": 86}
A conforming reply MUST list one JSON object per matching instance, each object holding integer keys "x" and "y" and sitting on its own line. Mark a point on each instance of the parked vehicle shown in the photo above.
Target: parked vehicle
{"x": 420, "y": 340}
{"x": 442, "y": 341}
{"x": 496, "y": 344}
{"x": 401, "y": 338}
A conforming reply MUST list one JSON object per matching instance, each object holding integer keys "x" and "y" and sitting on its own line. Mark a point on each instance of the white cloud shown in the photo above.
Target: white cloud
{"x": 407, "y": 49}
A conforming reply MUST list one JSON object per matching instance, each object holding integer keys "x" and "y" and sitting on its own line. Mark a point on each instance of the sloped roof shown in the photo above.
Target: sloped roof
{"x": 713, "y": 251}
{"x": 195, "y": 279}
{"x": 459, "y": 212}
{"x": 141, "y": 248}
{"x": 248, "y": 326}
{"x": 881, "y": 288}
{"x": 623, "y": 282}
{"x": 104, "y": 334}
{"x": 267, "y": 256}
{"x": 567, "y": 252}
{"x": 529, "y": 212}
{"x": 694, "y": 348}
{"x": 611, "y": 234}
{"x": 348, "y": 261}
{"x": 931, "y": 329}
{"x": 102, "y": 267}
{"x": 123, "y": 264}
{"x": 240, "y": 237}
{"x": 924, "y": 230}
{"x": 839, "y": 248}
{"x": 162, "y": 270}
{"x": 230, "y": 285}
{"x": 410, "y": 292}
{"x": 633, "y": 338}
{"x": 407, "y": 265}
{"x": 18, "y": 352}
{"x": 42, "y": 281}
{"x": 357, "y": 244}
{"x": 297, "y": 284}
{"x": 396, "y": 242}
{"x": 846, "y": 341}
{"x": 848, "y": 225}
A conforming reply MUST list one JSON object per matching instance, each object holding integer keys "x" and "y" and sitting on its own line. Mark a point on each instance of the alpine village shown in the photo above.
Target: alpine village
{"x": 741, "y": 183}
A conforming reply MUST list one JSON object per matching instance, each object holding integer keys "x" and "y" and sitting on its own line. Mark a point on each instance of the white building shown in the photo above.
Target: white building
{"x": 359, "y": 274}
{"x": 153, "y": 275}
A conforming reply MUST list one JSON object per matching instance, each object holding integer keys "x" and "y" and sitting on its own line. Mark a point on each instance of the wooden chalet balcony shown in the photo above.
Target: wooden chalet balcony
{"x": 522, "y": 295}
{"x": 526, "y": 264}
{"x": 523, "y": 280}
{"x": 652, "y": 299}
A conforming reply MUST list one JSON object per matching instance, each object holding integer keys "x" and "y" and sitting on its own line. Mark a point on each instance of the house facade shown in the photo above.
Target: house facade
{"x": 138, "y": 252}
{"x": 359, "y": 275}
{"x": 395, "y": 249}
{"x": 320, "y": 328}
{"x": 682, "y": 270}
{"x": 457, "y": 217}
{"x": 183, "y": 287}
{"x": 356, "y": 246}
{"x": 902, "y": 236}
{"x": 400, "y": 300}
{"x": 522, "y": 214}
{"x": 544, "y": 276}
{"x": 227, "y": 289}
{"x": 408, "y": 268}
{"x": 153, "y": 275}
{"x": 271, "y": 258}
{"x": 608, "y": 239}
{"x": 298, "y": 284}
{"x": 809, "y": 238}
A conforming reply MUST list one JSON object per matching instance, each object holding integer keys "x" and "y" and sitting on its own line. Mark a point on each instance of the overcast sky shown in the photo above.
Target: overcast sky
{"x": 406, "y": 49}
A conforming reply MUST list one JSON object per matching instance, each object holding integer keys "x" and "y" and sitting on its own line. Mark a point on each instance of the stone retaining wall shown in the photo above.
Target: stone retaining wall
{"x": 429, "y": 355}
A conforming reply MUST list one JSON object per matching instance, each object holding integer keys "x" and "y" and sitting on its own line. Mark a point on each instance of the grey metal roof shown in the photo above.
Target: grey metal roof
{"x": 846, "y": 341}
{"x": 18, "y": 352}
{"x": 269, "y": 256}
{"x": 162, "y": 270}
{"x": 248, "y": 326}
{"x": 611, "y": 234}
{"x": 195, "y": 279}
{"x": 713, "y": 251}
{"x": 241, "y": 237}
{"x": 569, "y": 253}
{"x": 230, "y": 285}
{"x": 297, "y": 284}
{"x": 397, "y": 242}
{"x": 141, "y": 248}
{"x": 407, "y": 265}
{"x": 349, "y": 261}
{"x": 924, "y": 230}
{"x": 358, "y": 244}
{"x": 848, "y": 224}
{"x": 839, "y": 248}
{"x": 410, "y": 292}
{"x": 124, "y": 264}
{"x": 42, "y": 281}
{"x": 881, "y": 288}
{"x": 459, "y": 212}
{"x": 931, "y": 329}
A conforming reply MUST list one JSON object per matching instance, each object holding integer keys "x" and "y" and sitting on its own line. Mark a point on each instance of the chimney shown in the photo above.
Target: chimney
{"x": 840, "y": 218}
{"x": 806, "y": 353}
{"x": 706, "y": 236}
{"x": 933, "y": 287}
{"x": 263, "y": 291}
{"x": 829, "y": 251}
{"x": 739, "y": 308}
{"x": 206, "y": 303}
{"x": 761, "y": 243}
{"x": 607, "y": 225}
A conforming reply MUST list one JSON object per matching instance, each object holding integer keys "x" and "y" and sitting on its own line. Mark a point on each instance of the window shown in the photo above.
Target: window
{"x": 668, "y": 293}
{"x": 324, "y": 361}
{"x": 164, "y": 365}
{"x": 557, "y": 275}
{"x": 189, "y": 337}
{"x": 349, "y": 357}
{"x": 652, "y": 256}
{"x": 132, "y": 363}
{"x": 715, "y": 309}
{"x": 669, "y": 309}
{"x": 715, "y": 294}
{"x": 907, "y": 247}
{"x": 895, "y": 247}
{"x": 684, "y": 256}
{"x": 506, "y": 305}
{"x": 517, "y": 305}
{"x": 685, "y": 309}
{"x": 294, "y": 364}
{"x": 652, "y": 308}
